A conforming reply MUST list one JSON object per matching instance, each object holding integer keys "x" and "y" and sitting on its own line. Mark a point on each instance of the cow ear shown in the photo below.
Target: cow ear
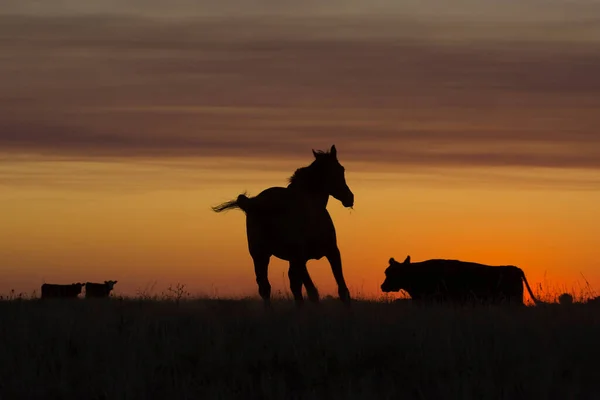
{"x": 407, "y": 260}
{"x": 392, "y": 260}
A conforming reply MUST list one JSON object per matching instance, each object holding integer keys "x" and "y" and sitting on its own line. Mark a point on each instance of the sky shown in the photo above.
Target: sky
{"x": 467, "y": 133}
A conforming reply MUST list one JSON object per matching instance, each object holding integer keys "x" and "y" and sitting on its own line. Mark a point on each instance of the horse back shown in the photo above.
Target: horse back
{"x": 285, "y": 221}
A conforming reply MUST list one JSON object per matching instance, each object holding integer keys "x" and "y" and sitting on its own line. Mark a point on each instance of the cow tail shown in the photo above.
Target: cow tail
{"x": 529, "y": 288}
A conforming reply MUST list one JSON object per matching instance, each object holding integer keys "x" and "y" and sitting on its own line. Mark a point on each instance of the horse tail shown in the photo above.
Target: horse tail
{"x": 241, "y": 202}
{"x": 536, "y": 301}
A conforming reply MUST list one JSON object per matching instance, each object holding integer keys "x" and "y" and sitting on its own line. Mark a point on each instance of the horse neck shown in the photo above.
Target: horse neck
{"x": 306, "y": 186}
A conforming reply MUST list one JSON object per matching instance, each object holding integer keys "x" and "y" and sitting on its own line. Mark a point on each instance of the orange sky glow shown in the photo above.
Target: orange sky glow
{"x": 468, "y": 135}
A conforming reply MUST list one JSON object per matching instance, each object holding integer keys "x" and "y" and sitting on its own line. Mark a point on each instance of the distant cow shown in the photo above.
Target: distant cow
{"x": 98, "y": 289}
{"x": 61, "y": 291}
{"x": 595, "y": 300}
{"x": 456, "y": 281}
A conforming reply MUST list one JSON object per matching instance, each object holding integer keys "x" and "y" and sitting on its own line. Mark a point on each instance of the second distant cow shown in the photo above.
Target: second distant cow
{"x": 50, "y": 290}
{"x": 98, "y": 290}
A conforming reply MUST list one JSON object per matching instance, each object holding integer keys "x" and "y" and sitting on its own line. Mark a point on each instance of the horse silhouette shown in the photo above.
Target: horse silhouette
{"x": 292, "y": 223}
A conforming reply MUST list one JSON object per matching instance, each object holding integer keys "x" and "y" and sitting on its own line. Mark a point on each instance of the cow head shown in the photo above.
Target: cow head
{"x": 78, "y": 286}
{"x": 110, "y": 285}
{"x": 394, "y": 275}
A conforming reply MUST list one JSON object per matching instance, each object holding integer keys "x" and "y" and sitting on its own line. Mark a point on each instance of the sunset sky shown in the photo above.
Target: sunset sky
{"x": 470, "y": 133}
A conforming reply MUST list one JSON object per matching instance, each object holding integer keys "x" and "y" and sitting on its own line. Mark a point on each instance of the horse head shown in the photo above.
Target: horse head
{"x": 333, "y": 175}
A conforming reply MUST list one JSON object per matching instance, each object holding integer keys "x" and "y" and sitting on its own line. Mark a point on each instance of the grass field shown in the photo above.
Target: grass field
{"x": 234, "y": 349}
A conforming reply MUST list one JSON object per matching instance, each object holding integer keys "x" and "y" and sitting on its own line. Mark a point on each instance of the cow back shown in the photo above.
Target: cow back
{"x": 459, "y": 281}
{"x": 60, "y": 291}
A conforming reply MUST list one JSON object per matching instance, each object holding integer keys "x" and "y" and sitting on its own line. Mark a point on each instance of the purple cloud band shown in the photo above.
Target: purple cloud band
{"x": 117, "y": 87}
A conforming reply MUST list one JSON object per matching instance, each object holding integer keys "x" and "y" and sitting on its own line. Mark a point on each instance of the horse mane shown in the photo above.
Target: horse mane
{"x": 304, "y": 172}
{"x": 319, "y": 153}
{"x": 299, "y": 175}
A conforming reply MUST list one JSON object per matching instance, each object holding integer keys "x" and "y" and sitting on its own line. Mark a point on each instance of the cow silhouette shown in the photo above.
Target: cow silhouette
{"x": 98, "y": 290}
{"x": 50, "y": 290}
{"x": 456, "y": 281}
{"x": 594, "y": 301}
{"x": 292, "y": 223}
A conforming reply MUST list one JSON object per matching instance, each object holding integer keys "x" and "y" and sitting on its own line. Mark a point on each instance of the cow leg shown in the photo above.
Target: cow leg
{"x": 311, "y": 290}
{"x": 261, "y": 269}
{"x": 296, "y": 275}
{"x": 335, "y": 260}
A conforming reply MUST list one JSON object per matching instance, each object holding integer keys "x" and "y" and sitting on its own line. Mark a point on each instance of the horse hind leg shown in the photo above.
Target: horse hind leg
{"x": 261, "y": 269}
{"x": 335, "y": 260}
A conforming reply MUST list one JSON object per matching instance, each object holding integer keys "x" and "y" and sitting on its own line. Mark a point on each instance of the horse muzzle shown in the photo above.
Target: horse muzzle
{"x": 348, "y": 200}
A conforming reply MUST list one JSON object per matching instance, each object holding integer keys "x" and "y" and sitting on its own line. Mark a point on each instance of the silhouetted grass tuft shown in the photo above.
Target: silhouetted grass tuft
{"x": 183, "y": 348}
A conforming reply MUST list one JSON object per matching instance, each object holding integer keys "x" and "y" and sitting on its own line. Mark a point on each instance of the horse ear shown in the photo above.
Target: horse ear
{"x": 392, "y": 260}
{"x": 333, "y": 151}
{"x": 315, "y": 153}
{"x": 407, "y": 261}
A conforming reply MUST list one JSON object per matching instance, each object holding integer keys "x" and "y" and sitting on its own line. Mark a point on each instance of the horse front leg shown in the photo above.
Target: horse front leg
{"x": 296, "y": 275}
{"x": 335, "y": 260}
{"x": 311, "y": 290}
{"x": 261, "y": 269}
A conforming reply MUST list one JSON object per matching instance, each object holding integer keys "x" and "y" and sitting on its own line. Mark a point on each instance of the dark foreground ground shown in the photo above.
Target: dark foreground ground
{"x": 218, "y": 349}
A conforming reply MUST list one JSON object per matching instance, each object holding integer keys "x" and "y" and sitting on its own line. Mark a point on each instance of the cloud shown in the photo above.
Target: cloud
{"x": 394, "y": 148}
{"x": 134, "y": 88}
